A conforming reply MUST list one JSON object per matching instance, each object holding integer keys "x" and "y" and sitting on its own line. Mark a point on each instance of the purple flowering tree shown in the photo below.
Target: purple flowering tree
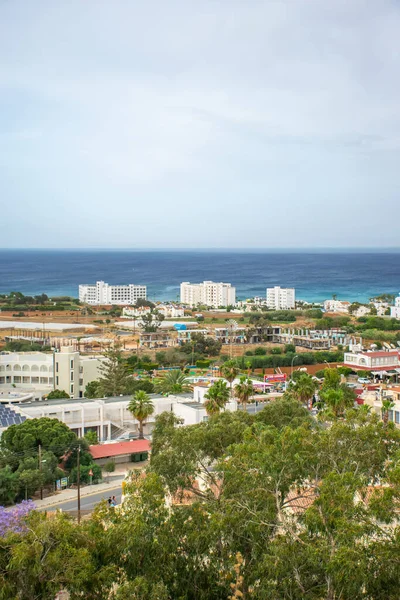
{"x": 13, "y": 520}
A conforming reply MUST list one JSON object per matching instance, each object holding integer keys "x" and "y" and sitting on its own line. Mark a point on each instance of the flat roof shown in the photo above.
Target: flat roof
{"x": 66, "y": 401}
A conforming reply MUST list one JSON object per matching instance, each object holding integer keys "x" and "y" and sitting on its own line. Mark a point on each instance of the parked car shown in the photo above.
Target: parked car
{"x": 363, "y": 380}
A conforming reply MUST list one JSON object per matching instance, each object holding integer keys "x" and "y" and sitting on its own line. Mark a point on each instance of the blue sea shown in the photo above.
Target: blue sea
{"x": 316, "y": 275}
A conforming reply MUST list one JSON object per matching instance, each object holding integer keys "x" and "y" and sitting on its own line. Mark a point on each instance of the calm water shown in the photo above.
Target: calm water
{"x": 315, "y": 275}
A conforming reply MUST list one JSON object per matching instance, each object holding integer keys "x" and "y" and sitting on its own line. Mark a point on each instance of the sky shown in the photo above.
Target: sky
{"x": 220, "y": 123}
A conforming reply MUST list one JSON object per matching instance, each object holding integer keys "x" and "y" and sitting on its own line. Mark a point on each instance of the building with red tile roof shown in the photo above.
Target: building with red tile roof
{"x": 120, "y": 451}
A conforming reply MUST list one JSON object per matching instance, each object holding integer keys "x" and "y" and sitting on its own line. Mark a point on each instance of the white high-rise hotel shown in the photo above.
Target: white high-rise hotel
{"x": 208, "y": 293}
{"x": 103, "y": 293}
{"x": 280, "y": 298}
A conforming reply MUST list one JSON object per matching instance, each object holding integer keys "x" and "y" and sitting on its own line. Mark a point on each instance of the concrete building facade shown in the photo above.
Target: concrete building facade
{"x": 395, "y": 310}
{"x": 281, "y": 298}
{"x": 208, "y": 293}
{"x": 65, "y": 370}
{"x": 102, "y": 293}
{"x": 373, "y": 361}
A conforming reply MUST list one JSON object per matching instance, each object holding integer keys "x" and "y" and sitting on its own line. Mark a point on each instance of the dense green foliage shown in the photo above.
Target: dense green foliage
{"x": 57, "y": 394}
{"x": 201, "y": 345}
{"x": 285, "y": 360}
{"x": 30, "y": 454}
{"x": 287, "y": 510}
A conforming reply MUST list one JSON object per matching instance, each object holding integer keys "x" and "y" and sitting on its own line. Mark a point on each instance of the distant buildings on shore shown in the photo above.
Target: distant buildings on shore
{"x": 169, "y": 311}
{"x": 337, "y": 306}
{"x": 281, "y": 298}
{"x": 102, "y": 293}
{"x": 208, "y": 293}
{"x": 395, "y": 310}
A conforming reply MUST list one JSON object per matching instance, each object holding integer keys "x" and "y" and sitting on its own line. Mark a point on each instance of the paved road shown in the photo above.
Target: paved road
{"x": 87, "y": 502}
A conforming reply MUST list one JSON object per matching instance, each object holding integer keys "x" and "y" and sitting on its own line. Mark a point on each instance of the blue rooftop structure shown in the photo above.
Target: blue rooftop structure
{"x": 9, "y": 417}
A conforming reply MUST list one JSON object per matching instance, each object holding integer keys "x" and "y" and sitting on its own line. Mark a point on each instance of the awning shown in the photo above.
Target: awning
{"x": 380, "y": 373}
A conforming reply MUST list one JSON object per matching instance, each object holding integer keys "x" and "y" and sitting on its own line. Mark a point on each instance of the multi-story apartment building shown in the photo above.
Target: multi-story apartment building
{"x": 102, "y": 293}
{"x": 208, "y": 293}
{"x": 395, "y": 310}
{"x": 373, "y": 361}
{"x": 65, "y": 370}
{"x": 281, "y": 298}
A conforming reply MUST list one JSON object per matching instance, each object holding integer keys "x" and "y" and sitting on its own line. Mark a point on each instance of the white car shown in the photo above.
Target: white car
{"x": 363, "y": 380}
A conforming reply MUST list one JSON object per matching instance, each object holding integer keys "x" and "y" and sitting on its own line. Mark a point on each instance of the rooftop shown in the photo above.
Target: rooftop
{"x": 118, "y": 449}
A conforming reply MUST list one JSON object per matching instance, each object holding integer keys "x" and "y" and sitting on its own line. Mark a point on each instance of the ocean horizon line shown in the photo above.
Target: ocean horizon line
{"x": 287, "y": 249}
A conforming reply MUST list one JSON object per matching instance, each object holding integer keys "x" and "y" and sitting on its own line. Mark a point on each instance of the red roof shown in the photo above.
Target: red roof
{"x": 379, "y": 354}
{"x": 109, "y": 450}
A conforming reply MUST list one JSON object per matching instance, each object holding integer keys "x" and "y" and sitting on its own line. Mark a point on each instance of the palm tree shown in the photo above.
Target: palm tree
{"x": 141, "y": 407}
{"x": 387, "y": 405}
{"x": 304, "y": 389}
{"x": 216, "y": 397}
{"x": 230, "y": 371}
{"x": 335, "y": 400}
{"x": 244, "y": 390}
{"x": 173, "y": 382}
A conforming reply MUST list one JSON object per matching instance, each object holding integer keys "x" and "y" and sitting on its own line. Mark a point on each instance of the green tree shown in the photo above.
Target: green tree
{"x": 57, "y": 394}
{"x": 332, "y": 379}
{"x": 114, "y": 376}
{"x": 244, "y": 391}
{"x": 173, "y": 382}
{"x": 8, "y": 486}
{"x": 92, "y": 390}
{"x": 91, "y": 437}
{"x": 141, "y": 408}
{"x": 203, "y": 345}
{"x": 230, "y": 371}
{"x": 30, "y": 481}
{"x": 50, "y": 434}
{"x": 387, "y": 406}
{"x": 216, "y": 397}
{"x": 304, "y": 389}
{"x": 151, "y": 322}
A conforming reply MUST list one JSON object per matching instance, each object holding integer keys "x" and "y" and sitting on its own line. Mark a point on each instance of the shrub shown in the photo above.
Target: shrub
{"x": 260, "y": 351}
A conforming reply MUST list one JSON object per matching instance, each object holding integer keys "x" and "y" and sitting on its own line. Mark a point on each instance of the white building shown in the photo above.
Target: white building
{"x": 362, "y": 311}
{"x": 65, "y": 370}
{"x": 395, "y": 310}
{"x": 208, "y": 293}
{"x": 102, "y": 293}
{"x": 170, "y": 311}
{"x": 281, "y": 298}
{"x": 373, "y": 361}
{"x": 136, "y": 311}
{"x": 336, "y": 306}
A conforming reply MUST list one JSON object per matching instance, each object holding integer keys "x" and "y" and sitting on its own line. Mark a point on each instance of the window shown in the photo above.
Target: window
{"x": 81, "y": 382}
{"x": 390, "y": 415}
{"x": 397, "y": 417}
{"x": 72, "y": 375}
{"x": 72, "y": 389}
{"x": 72, "y": 364}
{"x": 57, "y": 380}
{"x": 56, "y": 367}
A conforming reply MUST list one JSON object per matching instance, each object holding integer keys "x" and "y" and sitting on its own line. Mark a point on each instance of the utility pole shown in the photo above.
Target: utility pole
{"x": 40, "y": 469}
{"x": 78, "y": 482}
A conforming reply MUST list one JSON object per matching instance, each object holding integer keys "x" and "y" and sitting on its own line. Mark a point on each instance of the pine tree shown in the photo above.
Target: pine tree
{"x": 114, "y": 376}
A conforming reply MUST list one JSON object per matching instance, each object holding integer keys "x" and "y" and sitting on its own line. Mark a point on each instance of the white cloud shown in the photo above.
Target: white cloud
{"x": 215, "y": 101}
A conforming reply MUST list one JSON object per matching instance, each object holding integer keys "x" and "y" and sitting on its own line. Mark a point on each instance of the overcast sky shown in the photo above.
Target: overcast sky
{"x": 187, "y": 123}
